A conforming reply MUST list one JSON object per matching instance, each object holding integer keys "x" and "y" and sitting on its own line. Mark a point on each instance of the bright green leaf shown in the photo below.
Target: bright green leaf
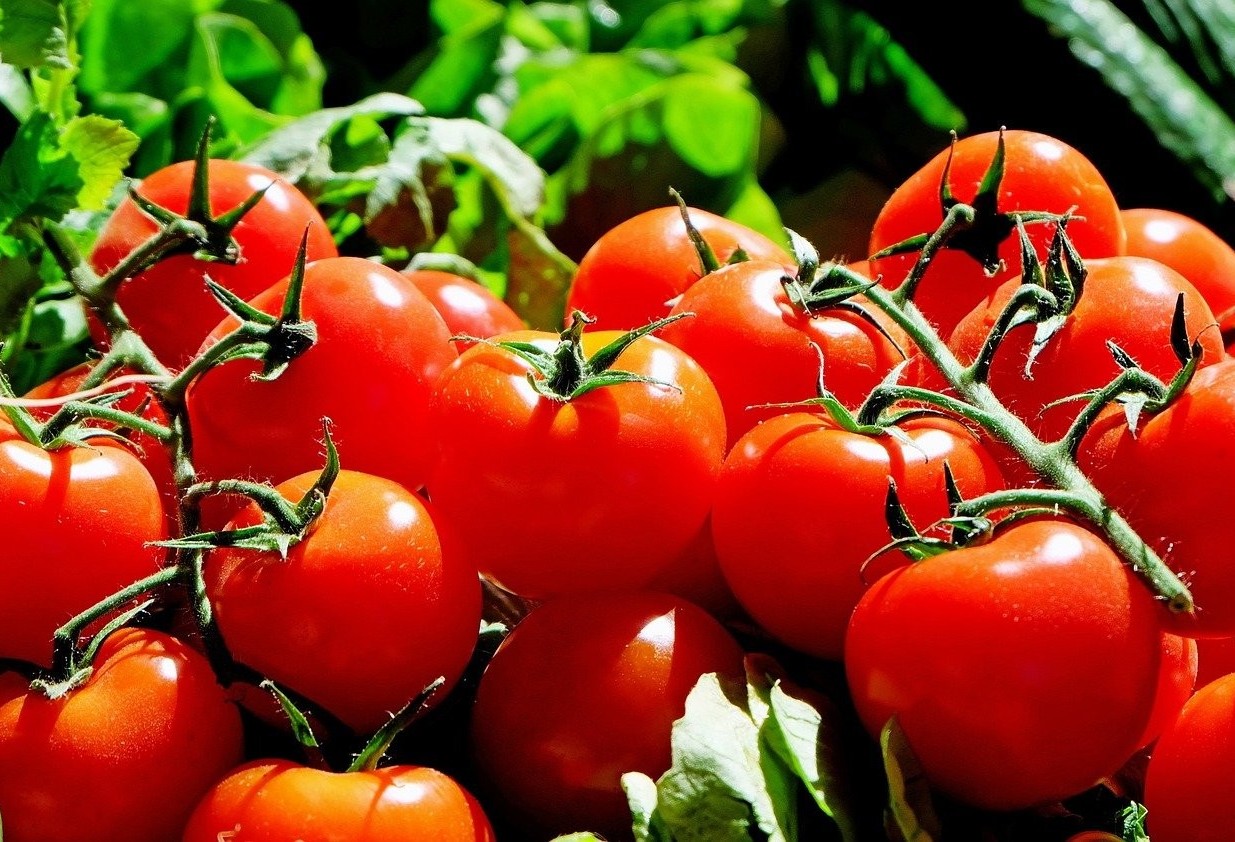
{"x": 102, "y": 149}
{"x": 38, "y": 178}
{"x": 641, "y": 797}
{"x": 111, "y": 61}
{"x": 15, "y": 92}
{"x": 714, "y": 128}
{"x": 514, "y": 174}
{"x": 35, "y": 33}
{"x": 910, "y": 808}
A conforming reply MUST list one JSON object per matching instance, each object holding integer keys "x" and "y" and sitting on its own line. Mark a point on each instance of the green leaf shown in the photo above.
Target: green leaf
{"x": 460, "y": 66}
{"x": 110, "y": 61}
{"x": 1185, "y": 119}
{"x": 102, "y": 149}
{"x": 1134, "y": 823}
{"x": 713, "y": 128}
{"x": 641, "y": 796}
{"x": 15, "y": 93}
{"x": 721, "y": 786}
{"x": 910, "y": 811}
{"x": 411, "y": 196}
{"x": 583, "y": 836}
{"x": 293, "y": 149}
{"x": 38, "y": 178}
{"x": 803, "y": 729}
{"x": 35, "y": 33}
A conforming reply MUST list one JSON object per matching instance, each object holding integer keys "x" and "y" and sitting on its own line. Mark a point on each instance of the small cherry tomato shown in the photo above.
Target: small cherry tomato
{"x": 468, "y": 308}
{"x": 1190, "y": 248}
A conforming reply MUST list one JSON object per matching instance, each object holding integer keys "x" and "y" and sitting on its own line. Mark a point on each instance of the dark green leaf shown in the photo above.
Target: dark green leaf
{"x": 110, "y": 60}
{"x": 38, "y": 178}
{"x": 1185, "y": 119}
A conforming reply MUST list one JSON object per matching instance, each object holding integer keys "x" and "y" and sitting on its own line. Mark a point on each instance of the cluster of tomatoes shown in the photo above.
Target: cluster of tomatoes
{"x": 687, "y": 454}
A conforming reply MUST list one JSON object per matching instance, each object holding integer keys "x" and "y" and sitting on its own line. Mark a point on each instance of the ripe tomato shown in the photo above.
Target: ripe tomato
{"x": 1176, "y": 681}
{"x": 631, "y": 275}
{"x": 800, "y": 507}
{"x": 1041, "y": 173}
{"x": 125, "y": 755}
{"x": 278, "y": 800}
{"x": 583, "y": 690}
{"x": 169, "y": 304}
{"x": 598, "y": 492}
{"x": 149, "y": 449}
{"x": 467, "y": 307}
{"x": 77, "y": 525}
{"x": 1188, "y": 783}
{"x": 380, "y": 348}
{"x": 1127, "y": 300}
{"x": 368, "y": 609}
{"x": 1215, "y": 657}
{"x": 1190, "y": 248}
{"x": 1021, "y": 670}
{"x": 756, "y": 344}
{"x": 1165, "y": 477}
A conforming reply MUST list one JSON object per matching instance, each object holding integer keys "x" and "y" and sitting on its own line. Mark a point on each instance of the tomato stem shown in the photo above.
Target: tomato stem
{"x": 375, "y": 749}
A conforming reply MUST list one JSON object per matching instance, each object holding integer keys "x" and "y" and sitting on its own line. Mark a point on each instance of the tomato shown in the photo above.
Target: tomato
{"x": 757, "y": 346}
{"x": 1215, "y": 658}
{"x": 800, "y": 508}
{"x": 631, "y": 275}
{"x": 125, "y": 755}
{"x": 77, "y": 525}
{"x": 1176, "y": 681}
{"x": 1165, "y": 478}
{"x": 467, "y": 307}
{"x": 695, "y": 576}
{"x": 1126, "y": 300}
{"x": 278, "y": 800}
{"x": 1188, "y": 785}
{"x": 380, "y": 348}
{"x": 552, "y": 742}
{"x": 601, "y": 491}
{"x": 368, "y": 609}
{"x": 169, "y": 304}
{"x": 1190, "y": 248}
{"x": 152, "y": 453}
{"x": 1041, "y": 173}
{"x": 1021, "y": 670}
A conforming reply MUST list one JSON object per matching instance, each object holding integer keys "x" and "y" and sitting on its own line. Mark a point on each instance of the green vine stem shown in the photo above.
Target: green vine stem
{"x": 375, "y": 749}
{"x": 1051, "y": 461}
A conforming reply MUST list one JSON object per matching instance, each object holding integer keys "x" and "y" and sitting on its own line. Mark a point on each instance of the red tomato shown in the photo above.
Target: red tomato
{"x": 598, "y": 492}
{"x": 1166, "y": 478}
{"x": 631, "y": 275}
{"x": 756, "y": 344}
{"x": 1022, "y": 670}
{"x": 1188, "y": 786}
{"x": 696, "y": 577}
{"x": 125, "y": 755}
{"x": 368, "y": 609}
{"x": 1176, "y": 681}
{"x": 467, "y": 307}
{"x": 1041, "y": 173}
{"x": 169, "y": 304}
{"x": 800, "y": 507}
{"x": 583, "y": 690}
{"x": 380, "y": 348}
{"x": 1190, "y": 248}
{"x": 152, "y": 453}
{"x": 77, "y": 525}
{"x": 277, "y": 801}
{"x": 1215, "y": 658}
{"x": 1127, "y": 300}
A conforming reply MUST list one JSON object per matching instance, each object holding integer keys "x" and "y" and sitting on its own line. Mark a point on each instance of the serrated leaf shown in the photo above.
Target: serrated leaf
{"x": 910, "y": 808}
{"x": 294, "y": 148}
{"x": 38, "y": 178}
{"x": 411, "y": 195}
{"x": 1134, "y": 823}
{"x": 1186, "y": 120}
{"x": 34, "y": 33}
{"x": 508, "y": 168}
{"x": 102, "y": 149}
{"x": 641, "y": 798}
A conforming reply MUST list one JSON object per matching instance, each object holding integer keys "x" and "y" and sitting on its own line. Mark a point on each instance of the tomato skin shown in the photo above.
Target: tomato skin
{"x": 1188, "y": 784}
{"x": 368, "y": 609}
{"x": 756, "y": 345}
{"x": 77, "y": 523}
{"x": 1165, "y": 478}
{"x": 1176, "y": 682}
{"x": 380, "y": 348}
{"x": 278, "y": 800}
{"x": 1215, "y": 658}
{"x": 552, "y": 744}
{"x": 169, "y": 304}
{"x": 1190, "y": 248}
{"x": 1022, "y": 670}
{"x": 800, "y": 507}
{"x": 597, "y": 493}
{"x": 630, "y": 276}
{"x": 1127, "y": 300}
{"x": 467, "y": 307}
{"x": 125, "y": 755}
{"x": 1041, "y": 173}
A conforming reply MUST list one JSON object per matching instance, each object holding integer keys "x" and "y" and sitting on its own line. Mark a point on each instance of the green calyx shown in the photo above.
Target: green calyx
{"x": 564, "y": 373}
